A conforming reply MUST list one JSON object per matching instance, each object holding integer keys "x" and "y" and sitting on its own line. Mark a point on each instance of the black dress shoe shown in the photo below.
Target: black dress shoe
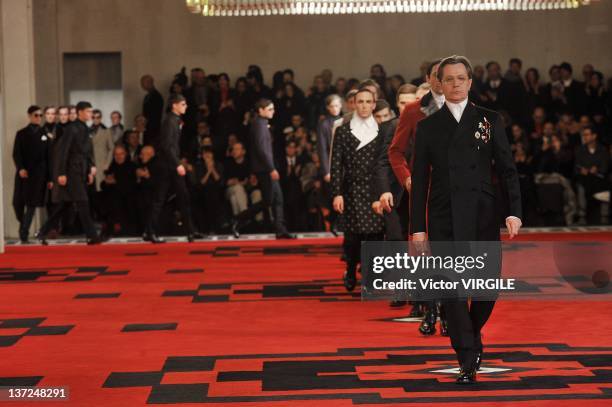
{"x": 42, "y": 239}
{"x": 193, "y": 236}
{"x": 443, "y": 327}
{"x": 478, "y": 360}
{"x": 285, "y": 235}
{"x": 416, "y": 311}
{"x": 94, "y": 240}
{"x": 397, "y": 303}
{"x": 428, "y": 326}
{"x": 153, "y": 238}
{"x": 24, "y": 241}
{"x": 350, "y": 281}
{"x": 467, "y": 375}
{"x": 235, "y": 229}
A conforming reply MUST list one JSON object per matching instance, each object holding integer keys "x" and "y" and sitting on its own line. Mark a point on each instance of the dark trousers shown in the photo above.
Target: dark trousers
{"x": 176, "y": 183}
{"x": 464, "y": 324}
{"x": 353, "y": 247}
{"x": 82, "y": 208}
{"x": 26, "y": 221}
{"x": 271, "y": 197}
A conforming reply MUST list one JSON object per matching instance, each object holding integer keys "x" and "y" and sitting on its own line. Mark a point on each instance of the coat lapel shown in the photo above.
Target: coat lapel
{"x": 467, "y": 121}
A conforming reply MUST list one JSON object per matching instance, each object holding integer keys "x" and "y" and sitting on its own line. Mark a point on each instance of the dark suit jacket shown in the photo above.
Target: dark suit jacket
{"x": 384, "y": 179}
{"x": 262, "y": 157}
{"x": 152, "y": 109}
{"x": 460, "y": 204}
{"x": 75, "y": 160}
{"x": 169, "y": 151}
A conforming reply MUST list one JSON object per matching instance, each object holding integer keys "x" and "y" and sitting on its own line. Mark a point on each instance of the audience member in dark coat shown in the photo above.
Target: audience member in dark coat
{"x": 118, "y": 191}
{"x": 152, "y": 105}
{"x": 208, "y": 187}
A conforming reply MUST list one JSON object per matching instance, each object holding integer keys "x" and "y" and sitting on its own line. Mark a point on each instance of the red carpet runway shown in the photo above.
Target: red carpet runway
{"x": 267, "y": 323}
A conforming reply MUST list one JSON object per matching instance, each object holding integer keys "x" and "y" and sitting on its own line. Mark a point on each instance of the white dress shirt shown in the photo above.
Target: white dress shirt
{"x": 365, "y": 130}
{"x": 457, "y": 108}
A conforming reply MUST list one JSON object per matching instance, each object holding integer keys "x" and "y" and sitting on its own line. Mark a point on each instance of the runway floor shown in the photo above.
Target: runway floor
{"x": 268, "y": 323}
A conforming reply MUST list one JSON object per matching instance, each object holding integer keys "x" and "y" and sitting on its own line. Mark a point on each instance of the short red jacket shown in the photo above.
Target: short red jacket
{"x": 403, "y": 141}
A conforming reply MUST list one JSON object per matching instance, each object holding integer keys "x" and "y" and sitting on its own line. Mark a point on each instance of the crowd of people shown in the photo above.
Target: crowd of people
{"x": 258, "y": 157}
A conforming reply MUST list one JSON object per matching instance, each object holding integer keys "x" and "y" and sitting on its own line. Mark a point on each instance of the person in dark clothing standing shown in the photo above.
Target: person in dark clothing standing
{"x": 152, "y": 106}
{"x": 76, "y": 169}
{"x": 262, "y": 165}
{"x": 169, "y": 156}
{"x": 30, "y": 154}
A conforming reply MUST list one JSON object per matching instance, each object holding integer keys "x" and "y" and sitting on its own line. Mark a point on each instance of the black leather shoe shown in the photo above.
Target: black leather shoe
{"x": 467, "y": 376}
{"x": 428, "y": 326}
{"x": 193, "y": 236}
{"x": 478, "y": 360}
{"x": 41, "y": 239}
{"x": 94, "y": 240}
{"x": 397, "y": 303}
{"x": 416, "y": 311}
{"x": 149, "y": 237}
{"x": 443, "y": 327}
{"x": 285, "y": 235}
{"x": 350, "y": 281}
{"x": 235, "y": 229}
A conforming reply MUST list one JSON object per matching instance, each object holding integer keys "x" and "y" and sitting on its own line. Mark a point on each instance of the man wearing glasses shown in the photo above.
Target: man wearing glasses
{"x": 30, "y": 154}
{"x": 173, "y": 177}
{"x": 453, "y": 197}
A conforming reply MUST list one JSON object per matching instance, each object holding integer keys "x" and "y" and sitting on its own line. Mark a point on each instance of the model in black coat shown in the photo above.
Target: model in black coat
{"x": 75, "y": 169}
{"x": 453, "y": 198}
{"x": 30, "y": 154}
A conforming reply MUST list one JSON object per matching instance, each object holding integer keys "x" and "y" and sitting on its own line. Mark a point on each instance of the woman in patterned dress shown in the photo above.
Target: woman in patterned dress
{"x": 353, "y": 157}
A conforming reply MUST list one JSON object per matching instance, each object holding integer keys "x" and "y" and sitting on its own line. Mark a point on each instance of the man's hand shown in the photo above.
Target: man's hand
{"x": 49, "y": 185}
{"x": 386, "y": 201}
{"x": 420, "y": 243}
{"x": 62, "y": 180}
{"x": 181, "y": 170}
{"x": 339, "y": 204}
{"x": 377, "y": 207}
{"x": 514, "y": 225}
{"x": 90, "y": 179}
{"x": 93, "y": 171}
{"x": 408, "y": 184}
{"x": 274, "y": 175}
{"x": 327, "y": 177}
{"x": 23, "y": 173}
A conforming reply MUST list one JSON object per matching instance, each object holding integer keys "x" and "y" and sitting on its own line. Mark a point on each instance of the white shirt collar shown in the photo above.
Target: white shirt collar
{"x": 457, "y": 108}
{"x": 439, "y": 99}
{"x": 365, "y": 130}
{"x": 567, "y": 82}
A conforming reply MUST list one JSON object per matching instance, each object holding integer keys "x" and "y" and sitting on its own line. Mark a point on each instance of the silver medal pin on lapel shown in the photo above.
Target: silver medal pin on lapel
{"x": 477, "y": 134}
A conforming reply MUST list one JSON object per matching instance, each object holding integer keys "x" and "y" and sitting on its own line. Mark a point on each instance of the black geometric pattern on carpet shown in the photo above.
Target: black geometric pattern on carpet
{"x": 424, "y": 374}
{"x": 185, "y": 271}
{"x": 57, "y": 274}
{"x": 166, "y": 326}
{"x": 308, "y": 250}
{"x": 29, "y": 327}
{"x": 96, "y": 296}
{"x": 321, "y": 290}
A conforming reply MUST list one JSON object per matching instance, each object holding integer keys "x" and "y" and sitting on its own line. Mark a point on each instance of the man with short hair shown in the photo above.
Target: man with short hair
{"x": 457, "y": 150}
{"x": 76, "y": 169}
{"x": 103, "y": 145}
{"x": 116, "y": 128}
{"x": 264, "y": 168}
{"x": 174, "y": 178}
{"x": 592, "y": 164}
{"x": 30, "y": 154}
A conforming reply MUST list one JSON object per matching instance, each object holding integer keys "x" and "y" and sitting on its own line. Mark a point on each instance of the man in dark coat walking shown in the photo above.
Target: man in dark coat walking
{"x": 76, "y": 170}
{"x": 453, "y": 198}
{"x": 174, "y": 177}
{"x": 30, "y": 154}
